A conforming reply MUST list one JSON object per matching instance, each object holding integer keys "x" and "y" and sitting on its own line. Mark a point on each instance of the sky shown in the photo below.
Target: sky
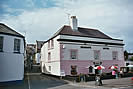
{"x": 40, "y": 19}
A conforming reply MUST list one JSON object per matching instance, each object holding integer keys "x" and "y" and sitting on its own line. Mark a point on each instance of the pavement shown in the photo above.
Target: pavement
{"x": 120, "y": 83}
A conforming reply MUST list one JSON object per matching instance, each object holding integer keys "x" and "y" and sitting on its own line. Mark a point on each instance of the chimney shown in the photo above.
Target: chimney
{"x": 73, "y": 23}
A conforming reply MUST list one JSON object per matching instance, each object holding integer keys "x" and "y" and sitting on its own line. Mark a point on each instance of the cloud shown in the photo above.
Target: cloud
{"x": 38, "y": 24}
{"x": 110, "y": 16}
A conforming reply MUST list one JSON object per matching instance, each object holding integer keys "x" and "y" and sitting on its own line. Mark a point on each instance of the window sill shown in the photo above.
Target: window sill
{"x": 1, "y": 51}
{"x": 74, "y": 59}
{"x": 17, "y": 52}
{"x": 50, "y": 48}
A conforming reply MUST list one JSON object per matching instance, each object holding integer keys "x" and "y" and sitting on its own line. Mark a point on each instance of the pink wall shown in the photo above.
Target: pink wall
{"x": 83, "y": 64}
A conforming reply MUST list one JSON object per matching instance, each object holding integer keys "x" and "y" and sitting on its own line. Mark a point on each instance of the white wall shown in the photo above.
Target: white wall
{"x": 37, "y": 55}
{"x": 55, "y": 57}
{"x": 11, "y": 64}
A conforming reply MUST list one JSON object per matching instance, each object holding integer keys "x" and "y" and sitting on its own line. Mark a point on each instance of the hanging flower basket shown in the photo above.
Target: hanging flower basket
{"x": 113, "y": 67}
{"x": 99, "y": 67}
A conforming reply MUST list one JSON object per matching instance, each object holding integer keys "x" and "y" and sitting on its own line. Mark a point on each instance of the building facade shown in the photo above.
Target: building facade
{"x": 12, "y": 52}
{"x": 74, "y": 50}
{"x": 39, "y": 44}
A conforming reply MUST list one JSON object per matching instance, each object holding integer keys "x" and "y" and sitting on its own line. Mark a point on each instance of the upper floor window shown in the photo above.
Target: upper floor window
{"x": 16, "y": 45}
{"x": 52, "y": 43}
{"x": 1, "y": 43}
{"x": 49, "y": 56}
{"x": 96, "y": 54}
{"x": 48, "y": 44}
{"x": 73, "y": 54}
{"x": 115, "y": 55}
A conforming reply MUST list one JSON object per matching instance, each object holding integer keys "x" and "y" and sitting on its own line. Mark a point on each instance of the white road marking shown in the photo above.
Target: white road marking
{"x": 28, "y": 81}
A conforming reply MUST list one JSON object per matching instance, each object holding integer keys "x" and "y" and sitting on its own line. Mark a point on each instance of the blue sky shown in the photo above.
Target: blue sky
{"x": 40, "y": 19}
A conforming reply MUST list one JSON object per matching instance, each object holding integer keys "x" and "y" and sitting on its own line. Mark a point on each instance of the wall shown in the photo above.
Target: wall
{"x": 60, "y": 55}
{"x": 37, "y": 55}
{"x": 55, "y": 57}
{"x": 11, "y": 64}
{"x": 86, "y": 55}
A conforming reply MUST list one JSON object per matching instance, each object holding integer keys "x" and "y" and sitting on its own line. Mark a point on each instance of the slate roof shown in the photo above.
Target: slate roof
{"x": 82, "y": 32}
{"x": 4, "y": 29}
{"x": 39, "y": 44}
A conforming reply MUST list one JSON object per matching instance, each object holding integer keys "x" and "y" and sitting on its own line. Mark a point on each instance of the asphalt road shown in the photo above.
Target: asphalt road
{"x": 39, "y": 81}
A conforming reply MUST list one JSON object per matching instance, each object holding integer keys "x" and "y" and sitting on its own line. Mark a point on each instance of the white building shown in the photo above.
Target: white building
{"x": 39, "y": 44}
{"x": 74, "y": 50}
{"x": 12, "y": 51}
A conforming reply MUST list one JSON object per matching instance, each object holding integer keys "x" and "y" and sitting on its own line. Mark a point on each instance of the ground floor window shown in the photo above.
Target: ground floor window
{"x": 90, "y": 69}
{"x": 73, "y": 70}
{"x": 49, "y": 68}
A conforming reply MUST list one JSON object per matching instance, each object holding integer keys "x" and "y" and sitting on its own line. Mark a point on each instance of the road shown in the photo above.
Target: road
{"x": 39, "y": 81}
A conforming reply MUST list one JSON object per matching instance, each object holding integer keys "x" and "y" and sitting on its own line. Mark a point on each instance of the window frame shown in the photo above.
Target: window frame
{"x": 17, "y": 45}
{"x": 71, "y": 54}
{"x": 114, "y": 55}
{"x": 49, "y": 56}
{"x": 74, "y": 69}
{"x": 52, "y": 43}
{"x": 97, "y": 53}
{"x": 49, "y": 68}
{"x": 1, "y": 43}
{"x": 48, "y": 44}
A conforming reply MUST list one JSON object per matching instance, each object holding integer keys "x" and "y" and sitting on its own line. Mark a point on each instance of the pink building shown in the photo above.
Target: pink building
{"x": 74, "y": 50}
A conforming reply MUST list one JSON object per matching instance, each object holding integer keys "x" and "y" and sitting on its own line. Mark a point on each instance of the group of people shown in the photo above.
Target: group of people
{"x": 116, "y": 73}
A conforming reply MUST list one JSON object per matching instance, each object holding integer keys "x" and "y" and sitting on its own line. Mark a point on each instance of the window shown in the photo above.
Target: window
{"x": 73, "y": 54}
{"x": 96, "y": 54}
{"x": 115, "y": 55}
{"x": 73, "y": 70}
{"x": 52, "y": 43}
{"x": 49, "y": 68}
{"x": 90, "y": 69}
{"x": 16, "y": 45}
{"x": 48, "y": 44}
{"x": 49, "y": 56}
{"x": 1, "y": 43}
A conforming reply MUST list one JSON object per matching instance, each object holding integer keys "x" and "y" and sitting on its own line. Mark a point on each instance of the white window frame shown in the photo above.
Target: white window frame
{"x": 115, "y": 55}
{"x": 96, "y": 54}
{"x": 52, "y": 43}
{"x": 17, "y": 44}
{"x": 48, "y": 44}
{"x": 49, "y": 56}
{"x": 75, "y": 55}
{"x": 49, "y": 67}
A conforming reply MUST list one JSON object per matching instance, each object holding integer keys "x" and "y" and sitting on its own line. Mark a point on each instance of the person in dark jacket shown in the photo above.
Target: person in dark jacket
{"x": 98, "y": 80}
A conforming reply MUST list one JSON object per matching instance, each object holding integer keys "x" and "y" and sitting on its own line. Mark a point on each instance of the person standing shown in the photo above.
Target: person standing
{"x": 116, "y": 74}
{"x": 121, "y": 73}
{"x": 98, "y": 80}
{"x": 113, "y": 73}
